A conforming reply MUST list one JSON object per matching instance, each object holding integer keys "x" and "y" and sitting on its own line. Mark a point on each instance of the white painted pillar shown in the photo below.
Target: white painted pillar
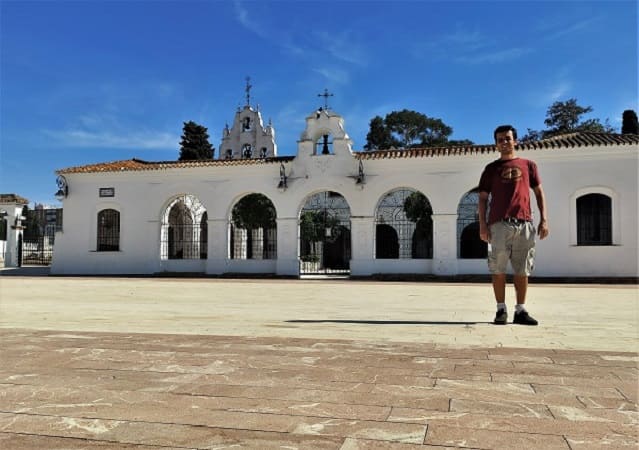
{"x": 218, "y": 251}
{"x": 14, "y": 229}
{"x": 362, "y": 241}
{"x": 287, "y": 246}
{"x": 445, "y": 244}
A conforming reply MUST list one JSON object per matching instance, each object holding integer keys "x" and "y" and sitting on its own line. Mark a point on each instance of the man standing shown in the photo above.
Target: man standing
{"x": 509, "y": 229}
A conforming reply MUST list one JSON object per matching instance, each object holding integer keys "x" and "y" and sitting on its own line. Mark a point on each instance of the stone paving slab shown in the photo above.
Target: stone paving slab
{"x": 143, "y": 364}
{"x": 116, "y": 390}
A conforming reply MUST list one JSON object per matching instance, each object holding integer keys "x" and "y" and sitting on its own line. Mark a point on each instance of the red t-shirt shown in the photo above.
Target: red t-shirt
{"x": 509, "y": 182}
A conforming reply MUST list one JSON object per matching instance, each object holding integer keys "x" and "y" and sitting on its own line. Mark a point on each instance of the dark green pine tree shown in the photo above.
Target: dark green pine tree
{"x": 630, "y": 124}
{"x": 379, "y": 137}
{"x": 195, "y": 143}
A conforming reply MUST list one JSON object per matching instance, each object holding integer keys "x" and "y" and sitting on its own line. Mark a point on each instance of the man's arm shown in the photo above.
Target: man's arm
{"x": 482, "y": 206}
{"x": 542, "y": 229}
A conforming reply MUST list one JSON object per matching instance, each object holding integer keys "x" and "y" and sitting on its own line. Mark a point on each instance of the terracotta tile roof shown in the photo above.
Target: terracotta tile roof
{"x": 583, "y": 140}
{"x": 556, "y": 142}
{"x": 129, "y": 165}
{"x": 13, "y": 198}
{"x": 561, "y": 141}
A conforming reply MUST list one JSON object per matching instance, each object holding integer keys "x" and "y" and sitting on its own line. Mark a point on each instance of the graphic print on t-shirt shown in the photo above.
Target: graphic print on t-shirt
{"x": 510, "y": 174}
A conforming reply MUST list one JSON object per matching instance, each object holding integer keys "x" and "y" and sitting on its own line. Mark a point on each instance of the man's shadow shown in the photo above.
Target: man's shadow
{"x": 387, "y": 322}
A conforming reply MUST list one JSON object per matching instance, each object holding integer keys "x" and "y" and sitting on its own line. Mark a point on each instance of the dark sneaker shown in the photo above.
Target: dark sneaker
{"x": 501, "y": 318}
{"x": 523, "y": 318}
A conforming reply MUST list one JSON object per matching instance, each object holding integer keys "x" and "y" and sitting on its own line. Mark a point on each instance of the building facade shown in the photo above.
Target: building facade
{"x": 333, "y": 210}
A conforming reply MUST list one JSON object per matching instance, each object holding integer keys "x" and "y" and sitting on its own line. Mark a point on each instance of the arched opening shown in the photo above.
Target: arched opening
{"x": 325, "y": 234}
{"x": 324, "y": 144}
{"x": 247, "y": 151}
{"x": 404, "y": 226}
{"x": 182, "y": 225}
{"x": 253, "y": 228}
{"x": 469, "y": 244}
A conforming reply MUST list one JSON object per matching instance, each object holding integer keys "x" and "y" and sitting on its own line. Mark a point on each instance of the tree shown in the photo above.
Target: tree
{"x": 416, "y": 207}
{"x": 532, "y": 136}
{"x": 195, "y": 143}
{"x": 565, "y": 117}
{"x": 418, "y": 210}
{"x": 459, "y": 142}
{"x": 379, "y": 136}
{"x": 630, "y": 124}
{"x": 413, "y": 128}
{"x": 254, "y": 211}
{"x": 32, "y": 223}
{"x": 408, "y": 129}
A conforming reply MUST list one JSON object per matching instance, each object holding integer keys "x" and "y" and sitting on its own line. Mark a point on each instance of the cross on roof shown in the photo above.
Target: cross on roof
{"x": 326, "y": 94}
{"x": 248, "y": 90}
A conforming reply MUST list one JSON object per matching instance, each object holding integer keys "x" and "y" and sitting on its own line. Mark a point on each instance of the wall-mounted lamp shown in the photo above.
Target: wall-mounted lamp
{"x": 63, "y": 188}
{"x": 283, "y": 179}
{"x": 361, "y": 177}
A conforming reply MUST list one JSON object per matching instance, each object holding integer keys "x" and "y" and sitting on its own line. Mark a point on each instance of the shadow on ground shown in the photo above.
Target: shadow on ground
{"x": 389, "y": 322}
{"x": 26, "y": 271}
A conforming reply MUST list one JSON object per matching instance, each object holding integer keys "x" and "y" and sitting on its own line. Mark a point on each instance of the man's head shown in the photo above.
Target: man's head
{"x": 505, "y": 129}
{"x": 506, "y": 139}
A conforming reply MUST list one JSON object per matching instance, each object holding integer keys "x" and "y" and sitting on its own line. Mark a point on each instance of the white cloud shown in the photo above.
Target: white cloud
{"x": 343, "y": 46}
{"x": 467, "y": 39}
{"x": 337, "y": 76}
{"x": 467, "y": 46}
{"x": 558, "y": 28}
{"x": 544, "y": 96}
{"x": 558, "y": 91}
{"x": 242, "y": 16}
{"x": 135, "y": 140}
{"x": 492, "y": 57}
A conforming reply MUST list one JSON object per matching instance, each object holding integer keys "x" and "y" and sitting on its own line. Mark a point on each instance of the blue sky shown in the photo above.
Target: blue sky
{"x": 96, "y": 81}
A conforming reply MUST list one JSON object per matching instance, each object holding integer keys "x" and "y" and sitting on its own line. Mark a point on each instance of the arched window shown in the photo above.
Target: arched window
{"x": 182, "y": 224}
{"x": 594, "y": 220}
{"x": 246, "y": 124}
{"x": 253, "y": 228}
{"x": 404, "y": 226}
{"x": 108, "y": 231}
{"x": 469, "y": 244}
{"x": 247, "y": 151}
{"x": 263, "y": 152}
{"x": 229, "y": 153}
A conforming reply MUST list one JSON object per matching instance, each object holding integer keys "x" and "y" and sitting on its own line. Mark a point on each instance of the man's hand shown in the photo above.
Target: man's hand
{"x": 542, "y": 229}
{"x": 484, "y": 233}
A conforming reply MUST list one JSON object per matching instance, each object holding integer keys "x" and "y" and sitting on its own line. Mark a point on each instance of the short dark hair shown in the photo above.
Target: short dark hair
{"x": 505, "y": 129}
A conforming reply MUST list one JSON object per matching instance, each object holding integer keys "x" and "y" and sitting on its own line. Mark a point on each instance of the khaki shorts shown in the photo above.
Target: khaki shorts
{"x": 512, "y": 242}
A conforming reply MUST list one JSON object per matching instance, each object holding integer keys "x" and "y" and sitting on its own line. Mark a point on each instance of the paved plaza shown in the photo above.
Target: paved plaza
{"x": 160, "y": 363}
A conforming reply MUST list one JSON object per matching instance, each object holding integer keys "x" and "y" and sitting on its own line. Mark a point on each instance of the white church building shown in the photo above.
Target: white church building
{"x": 331, "y": 210}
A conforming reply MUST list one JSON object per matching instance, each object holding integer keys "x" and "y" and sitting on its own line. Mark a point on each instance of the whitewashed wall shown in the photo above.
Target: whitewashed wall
{"x": 141, "y": 198}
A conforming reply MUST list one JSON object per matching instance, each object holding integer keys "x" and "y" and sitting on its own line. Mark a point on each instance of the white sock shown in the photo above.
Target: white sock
{"x": 501, "y": 306}
{"x": 519, "y": 308}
